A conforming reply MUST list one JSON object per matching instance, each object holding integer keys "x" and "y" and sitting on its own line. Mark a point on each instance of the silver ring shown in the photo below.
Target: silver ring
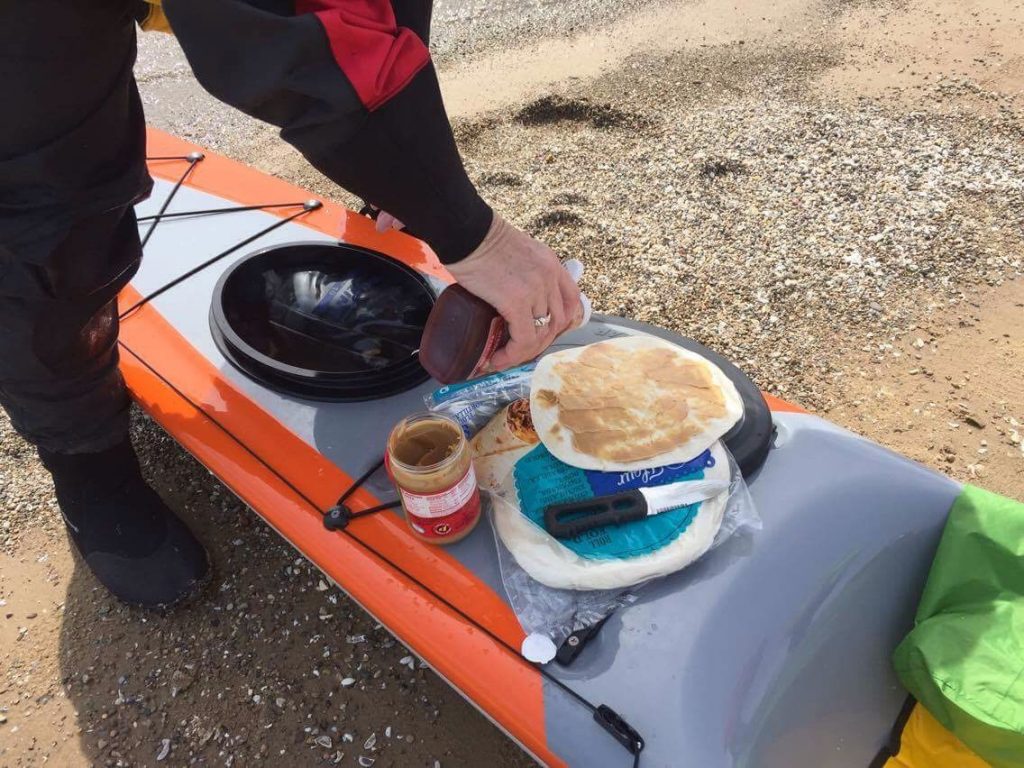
{"x": 540, "y": 322}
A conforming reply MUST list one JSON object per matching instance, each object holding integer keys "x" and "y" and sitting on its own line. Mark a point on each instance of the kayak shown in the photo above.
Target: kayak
{"x": 772, "y": 650}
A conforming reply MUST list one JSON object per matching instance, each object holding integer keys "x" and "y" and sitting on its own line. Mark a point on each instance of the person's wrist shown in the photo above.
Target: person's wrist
{"x": 470, "y": 235}
{"x": 494, "y": 241}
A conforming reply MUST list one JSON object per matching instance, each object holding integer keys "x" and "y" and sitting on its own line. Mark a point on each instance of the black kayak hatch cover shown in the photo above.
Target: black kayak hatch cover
{"x": 327, "y": 321}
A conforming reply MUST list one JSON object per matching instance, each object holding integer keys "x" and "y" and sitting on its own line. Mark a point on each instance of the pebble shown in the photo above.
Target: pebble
{"x": 164, "y": 751}
{"x": 790, "y": 195}
{"x": 348, "y": 682}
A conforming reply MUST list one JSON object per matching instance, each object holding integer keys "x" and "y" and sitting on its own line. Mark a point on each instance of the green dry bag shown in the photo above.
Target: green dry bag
{"x": 964, "y": 659}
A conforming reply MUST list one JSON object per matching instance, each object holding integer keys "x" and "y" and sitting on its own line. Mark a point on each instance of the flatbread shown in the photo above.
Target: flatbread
{"x": 505, "y": 440}
{"x": 631, "y": 403}
{"x": 498, "y": 446}
{"x": 546, "y": 560}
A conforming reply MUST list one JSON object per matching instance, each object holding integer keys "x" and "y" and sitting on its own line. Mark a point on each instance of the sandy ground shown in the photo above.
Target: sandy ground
{"x": 830, "y": 192}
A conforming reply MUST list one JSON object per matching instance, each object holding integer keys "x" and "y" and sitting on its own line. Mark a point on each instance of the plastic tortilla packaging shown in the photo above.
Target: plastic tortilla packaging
{"x": 557, "y": 587}
{"x": 585, "y": 423}
{"x": 474, "y": 403}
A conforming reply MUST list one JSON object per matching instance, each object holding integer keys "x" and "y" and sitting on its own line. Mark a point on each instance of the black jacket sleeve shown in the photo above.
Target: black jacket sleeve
{"x": 375, "y": 124}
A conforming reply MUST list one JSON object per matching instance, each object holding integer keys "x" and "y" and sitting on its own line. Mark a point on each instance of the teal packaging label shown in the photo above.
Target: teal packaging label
{"x": 542, "y": 480}
{"x": 495, "y": 382}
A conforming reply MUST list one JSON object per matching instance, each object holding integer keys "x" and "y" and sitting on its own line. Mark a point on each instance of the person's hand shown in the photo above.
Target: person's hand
{"x": 387, "y": 222}
{"x": 524, "y": 280}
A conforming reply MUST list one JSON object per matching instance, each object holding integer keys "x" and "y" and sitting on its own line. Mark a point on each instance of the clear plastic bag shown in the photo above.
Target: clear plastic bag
{"x": 555, "y": 613}
{"x": 474, "y": 403}
{"x": 349, "y": 320}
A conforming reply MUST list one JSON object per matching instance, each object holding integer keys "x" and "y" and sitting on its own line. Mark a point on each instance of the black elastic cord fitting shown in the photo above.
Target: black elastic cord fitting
{"x": 576, "y": 642}
{"x": 616, "y": 725}
{"x": 337, "y": 517}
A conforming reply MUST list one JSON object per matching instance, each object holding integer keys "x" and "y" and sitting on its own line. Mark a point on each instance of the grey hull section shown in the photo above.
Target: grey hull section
{"x": 772, "y": 651}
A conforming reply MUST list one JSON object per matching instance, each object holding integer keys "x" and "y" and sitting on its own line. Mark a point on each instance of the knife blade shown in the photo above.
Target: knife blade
{"x": 569, "y": 519}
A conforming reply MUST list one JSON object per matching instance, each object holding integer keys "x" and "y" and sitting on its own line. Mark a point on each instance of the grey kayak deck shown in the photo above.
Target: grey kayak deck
{"x": 773, "y": 650}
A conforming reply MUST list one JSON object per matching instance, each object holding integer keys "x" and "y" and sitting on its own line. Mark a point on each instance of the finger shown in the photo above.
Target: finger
{"x": 522, "y": 336}
{"x": 543, "y": 317}
{"x": 556, "y": 313}
{"x": 384, "y": 221}
{"x": 569, "y": 295}
{"x": 387, "y": 222}
{"x": 513, "y": 353}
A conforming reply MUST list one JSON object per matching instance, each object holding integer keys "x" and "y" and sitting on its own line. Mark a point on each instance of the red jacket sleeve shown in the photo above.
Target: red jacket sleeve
{"x": 377, "y": 56}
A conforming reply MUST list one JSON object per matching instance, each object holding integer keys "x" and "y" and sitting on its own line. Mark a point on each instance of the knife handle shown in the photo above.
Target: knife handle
{"x": 570, "y": 519}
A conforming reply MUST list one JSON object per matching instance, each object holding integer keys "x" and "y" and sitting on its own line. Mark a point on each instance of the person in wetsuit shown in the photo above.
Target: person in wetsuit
{"x": 349, "y": 83}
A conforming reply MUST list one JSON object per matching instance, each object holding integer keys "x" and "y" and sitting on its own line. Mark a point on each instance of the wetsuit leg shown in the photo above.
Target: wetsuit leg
{"x": 72, "y": 163}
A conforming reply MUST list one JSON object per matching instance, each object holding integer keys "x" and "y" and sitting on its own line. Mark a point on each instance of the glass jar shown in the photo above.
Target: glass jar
{"x": 429, "y": 460}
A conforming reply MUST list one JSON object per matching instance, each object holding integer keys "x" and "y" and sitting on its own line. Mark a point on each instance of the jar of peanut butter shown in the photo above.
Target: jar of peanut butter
{"x": 429, "y": 460}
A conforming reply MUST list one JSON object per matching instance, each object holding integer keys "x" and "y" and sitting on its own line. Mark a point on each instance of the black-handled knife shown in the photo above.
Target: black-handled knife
{"x": 569, "y": 519}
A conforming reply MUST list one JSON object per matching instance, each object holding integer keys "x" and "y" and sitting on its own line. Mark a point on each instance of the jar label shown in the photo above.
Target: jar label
{"x": 443, "y": 503}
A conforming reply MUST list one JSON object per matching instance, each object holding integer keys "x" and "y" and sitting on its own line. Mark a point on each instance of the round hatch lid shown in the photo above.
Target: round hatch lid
{"x": 323, "y": 320}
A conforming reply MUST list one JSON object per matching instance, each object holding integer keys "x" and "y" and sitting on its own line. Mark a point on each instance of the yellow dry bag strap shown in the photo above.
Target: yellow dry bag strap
{"x": 151, "y": 17}
{"x": 924, "y": 743}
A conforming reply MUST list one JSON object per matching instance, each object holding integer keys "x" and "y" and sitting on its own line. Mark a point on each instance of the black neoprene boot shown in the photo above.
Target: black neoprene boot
{"x": 134, "y": 544}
